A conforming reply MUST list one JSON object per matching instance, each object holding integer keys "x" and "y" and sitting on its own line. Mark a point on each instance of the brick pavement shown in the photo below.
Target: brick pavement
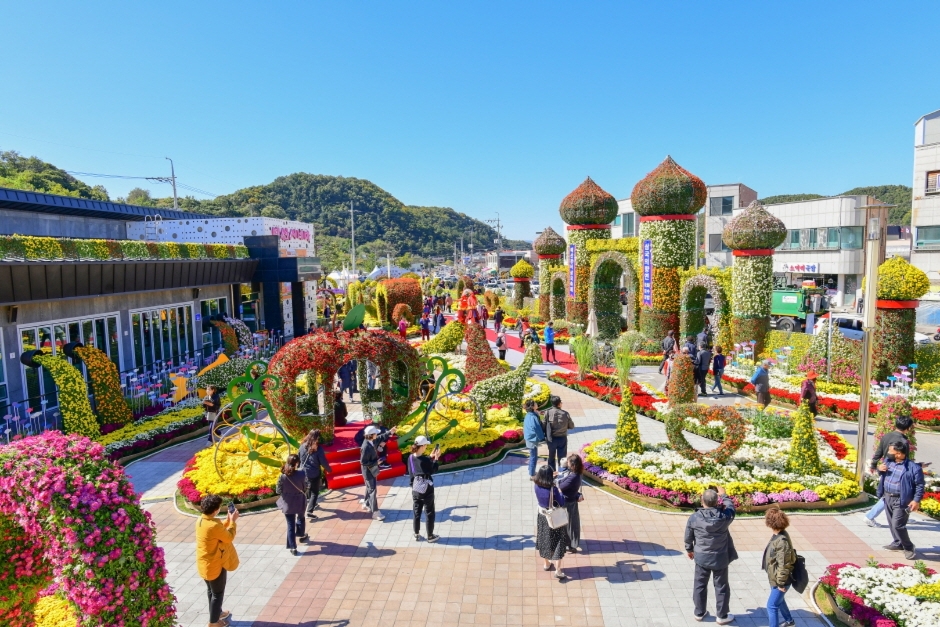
{"x": 485, "y": 570}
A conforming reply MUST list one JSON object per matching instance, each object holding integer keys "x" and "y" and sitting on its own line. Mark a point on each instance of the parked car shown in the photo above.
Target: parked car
{"x": 850, "y": 325}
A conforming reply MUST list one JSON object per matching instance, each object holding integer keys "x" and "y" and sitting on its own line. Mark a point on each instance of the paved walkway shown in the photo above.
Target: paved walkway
{"x": 485, "y": 570}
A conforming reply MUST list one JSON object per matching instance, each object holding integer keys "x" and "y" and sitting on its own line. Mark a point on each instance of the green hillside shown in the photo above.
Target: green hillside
{"x": 899, "y": 195}
{"x": 35, "y": 175}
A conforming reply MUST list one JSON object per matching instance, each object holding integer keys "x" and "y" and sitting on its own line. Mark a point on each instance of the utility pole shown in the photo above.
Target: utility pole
{"x": 499, "y": 240}
{"x": 176, "y": 204}
{"x": 461, "y": 251}
{"x": 352, "y": 218}
{"x": 872, "y": 258}
{"x": 471, "y": 246}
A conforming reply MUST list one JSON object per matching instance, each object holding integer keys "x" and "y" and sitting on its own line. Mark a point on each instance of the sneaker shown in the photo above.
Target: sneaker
{"x": 362, "y": 501}
{"x": 893, "y": 547}
{"x": 789, "y": 623}
{"x": 293, "y": 551}
{"x": 417, "y": 537}
{"x": 311, "y": 517}
{"x": 303, "y": 538}
{"x": 727, "y": 619}
{"x": 699, "y": 618}
{"x": 378, "y": 516}
{"x": 871, "y": 523}
{"x": 910, "y": 555}
{"x": 432, "y": 538}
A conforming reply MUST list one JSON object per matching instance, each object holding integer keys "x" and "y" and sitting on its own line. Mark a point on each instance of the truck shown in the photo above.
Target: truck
{"x": 789, "y": 307}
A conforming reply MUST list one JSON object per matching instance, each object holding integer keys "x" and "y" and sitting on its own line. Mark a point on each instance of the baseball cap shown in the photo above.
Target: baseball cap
{"x": 371, "y": 430}
{"x": 422, "y": 441}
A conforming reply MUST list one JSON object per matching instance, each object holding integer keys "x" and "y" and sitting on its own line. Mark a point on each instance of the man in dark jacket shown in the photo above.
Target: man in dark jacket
{"x": 690, "y": 344}
{"x": 557, "y": 423}
{"x": 902, "y": 428}
{"x": 669, "y": 347}
{"x": 902, "y": 487}
{"x": 703, "y": 362}
{"x": 708, "y": 542}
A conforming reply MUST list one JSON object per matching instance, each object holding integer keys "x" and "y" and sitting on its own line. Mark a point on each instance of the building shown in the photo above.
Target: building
{"x": 506, "y": 259}
{"x": 826, "y": 243}
{"x": 925, "y": 204}
{"x": 141, "y": 313}
{"x": 721, "y": 202}
{"x": 626, "y": 223}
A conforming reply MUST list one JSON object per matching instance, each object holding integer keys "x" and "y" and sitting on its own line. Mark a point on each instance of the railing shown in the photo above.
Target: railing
{"x": 30, "y": 416}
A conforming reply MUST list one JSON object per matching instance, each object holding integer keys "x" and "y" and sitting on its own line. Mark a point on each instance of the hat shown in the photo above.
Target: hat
{"x": 371, "y": 430}
{"x": 811, "y": 374}
{"x": 422, "y": 441}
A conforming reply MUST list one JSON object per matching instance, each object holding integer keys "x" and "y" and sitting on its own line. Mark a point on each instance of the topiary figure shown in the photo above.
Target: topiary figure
{"x": 522, "y": 272}
{"x": 669, "y": 189}
{"x": 752, "y": 235}
{"x": 400, "y": 311}
{"x": 892, "y": 407}
{"x": 507, "y": 389}
{"x": 681, "y": 386}
{"x": 627, "y": 436}
{"x": 481, "y": 363}
{"x": 804, "y": 451}
{"x": 899, "y": 286}
{"x": 447, "y": 341}
{"x": 548, "y": 246}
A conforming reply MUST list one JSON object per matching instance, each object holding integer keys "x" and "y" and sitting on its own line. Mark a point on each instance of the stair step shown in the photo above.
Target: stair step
{"x": 344, "y": 454}
{"x": 353, "y": 465}
{"x": 351, "y": 479}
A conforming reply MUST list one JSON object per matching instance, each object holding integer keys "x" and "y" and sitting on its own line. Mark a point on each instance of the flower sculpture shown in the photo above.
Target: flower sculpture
{"x": 106, "y": 384}
{"x": 548, "y": 246}
{"x": 667, "y": 200}
{"x": 734, "y": 426}
{"x": 481, "y": 363}
{"x": 627, "y": 435}
{"x": 900, "y": 285}
{"x": 447, "y": 341}
{"x": 681, "y": 386}
{"x": 753, "y": 235}
{"x": 891, "y": 408}
{"x": 507, "y": 389}
{"x": 229, "y": 337}
{"x": 77, "y": 416}
{"x": 61, "y": 499}
{"x": 804, "y": 451}
{"x": 394, "y": 291}
{"x": 522, "y": 273}
{"x": 402, "y": 311}
{"x": 588, "y": 211}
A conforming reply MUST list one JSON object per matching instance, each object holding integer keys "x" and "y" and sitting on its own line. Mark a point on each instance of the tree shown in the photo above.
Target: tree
{"x": 138, "y": 196}
{"x": 34, "y": 174}
{"x": 274, "y": 211}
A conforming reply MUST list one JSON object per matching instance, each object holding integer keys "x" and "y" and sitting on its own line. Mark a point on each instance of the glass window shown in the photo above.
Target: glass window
{"x": 933, "y": 183}
{"x": 136, "y": 330}
{"x": 157, "y": 333}
{"x": 629, "y": 225}
{"x": 832, "y": 235}
{"x": 188, "y": 324}
{"x": 715, "y": 243}
{"x": 114, "y": 348}
{"x": 616, "y": 221}
{"x": 928, "y": 235}
{"x": 852, "y": 237}
{"x": 811, "y": 238}
{"x": 721, "y": 205}
{"x": 3, "y": 379}
{"x": 101, "y": 335}
{"x": 147, "y": 338}
{"x": 28, "y": 341}
{"x": 794, "y": 239}
{"x": 88, "y": 333}
{"x": 174, "y": 333}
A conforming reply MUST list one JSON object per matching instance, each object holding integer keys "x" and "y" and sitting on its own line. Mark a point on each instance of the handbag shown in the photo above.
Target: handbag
{"x": 421, "y": 482}
{"x": 799, "y": 576}
{"x": 555, "y": 516}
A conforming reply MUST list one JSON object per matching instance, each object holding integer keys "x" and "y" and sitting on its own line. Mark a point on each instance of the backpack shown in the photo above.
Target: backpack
{"x": 500, "y": 342}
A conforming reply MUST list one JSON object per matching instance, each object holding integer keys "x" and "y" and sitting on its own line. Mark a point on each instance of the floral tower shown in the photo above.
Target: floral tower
{"x": 521, "y": 273}
{"x": 548, "y": 246}
{"x": 752, "y": 236}
{"x": 666, "y": 200}
{"x": 900, "y": 286}
{"x": 588, "y": 212}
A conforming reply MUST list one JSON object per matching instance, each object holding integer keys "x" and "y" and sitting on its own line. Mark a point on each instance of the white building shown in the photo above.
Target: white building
{"x": 626, "y": 223}
{"x": 720, "y": 205}
{"x": 925, "y": 205}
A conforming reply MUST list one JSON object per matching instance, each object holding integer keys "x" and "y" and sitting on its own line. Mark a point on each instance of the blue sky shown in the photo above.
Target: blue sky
{"x": 483, "y": 107}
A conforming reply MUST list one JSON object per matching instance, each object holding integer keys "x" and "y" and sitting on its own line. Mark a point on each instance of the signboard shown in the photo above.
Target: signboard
{"x": 791, "y": 299}
{"x": 308, "y": 268}
{"x": 811, "y": 267}
{"x": 572, "y": 251}
{"x": 648, "y": 273}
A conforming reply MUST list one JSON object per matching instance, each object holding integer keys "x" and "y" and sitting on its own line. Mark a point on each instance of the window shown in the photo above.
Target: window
{"x": 715, "y": 244}
{"x": 4, "y": 397}
{"x": 852, "y": 237}
{"x": 721, "y": 206}
{"x": 832, "y": 238}
{"x": 793, "y": 239}
{"x": 616, "y": 221}
{"x": 928, "y": 236}
{"x": 211, "y": 338}
{"x": 164, "y": 334}
{"x": 933, "y": 183}
{"x": 629, "y": 225}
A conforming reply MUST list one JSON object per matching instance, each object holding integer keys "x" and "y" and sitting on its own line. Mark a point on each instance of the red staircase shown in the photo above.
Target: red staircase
{"x": 343, "y": 456}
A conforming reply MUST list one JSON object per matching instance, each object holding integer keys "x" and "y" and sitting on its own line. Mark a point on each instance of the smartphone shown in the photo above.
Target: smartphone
{"x": 437, "y": 449}
{"x": 231, "y": 507}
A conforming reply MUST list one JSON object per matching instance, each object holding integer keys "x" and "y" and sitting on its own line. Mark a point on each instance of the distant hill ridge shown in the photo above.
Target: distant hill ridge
{"x": 899, "y": 195}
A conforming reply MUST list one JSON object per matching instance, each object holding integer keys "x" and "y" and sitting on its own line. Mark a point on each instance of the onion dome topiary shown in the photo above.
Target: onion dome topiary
{"x": 588, "y": 204}
{"x": 899, "y": 280}
{"x": 549, "y": 243}
{"x": 670, "y": 189}
{"x": 753, "y": 229}
{"x": 522, "y": 270}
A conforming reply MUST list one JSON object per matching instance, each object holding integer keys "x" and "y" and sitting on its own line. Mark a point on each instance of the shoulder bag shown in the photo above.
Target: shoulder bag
{"x": 421, "y": 482}
{"x": 555, "y": 516}
{"x": 799, "y": 577}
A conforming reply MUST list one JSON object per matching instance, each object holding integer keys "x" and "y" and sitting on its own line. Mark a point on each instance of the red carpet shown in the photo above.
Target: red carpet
{"x": 564, "y": 360}
{"x": 343, "y": 457}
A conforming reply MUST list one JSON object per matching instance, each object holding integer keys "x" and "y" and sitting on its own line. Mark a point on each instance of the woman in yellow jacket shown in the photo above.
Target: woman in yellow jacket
{"x": 215, "y": 554}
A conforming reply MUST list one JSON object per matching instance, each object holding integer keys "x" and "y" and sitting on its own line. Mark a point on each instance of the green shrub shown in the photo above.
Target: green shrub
{"x": 927, "y": 358}
{"x": 770, "y": 424}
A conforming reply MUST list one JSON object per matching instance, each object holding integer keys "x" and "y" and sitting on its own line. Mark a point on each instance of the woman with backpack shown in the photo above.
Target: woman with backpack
{"x": 420, "y": 469}
{"x": 312, "y": 458}
{"x": 292, "y": 502}
{"x": 501, "y": 344}
{"x": 779, "y": 562}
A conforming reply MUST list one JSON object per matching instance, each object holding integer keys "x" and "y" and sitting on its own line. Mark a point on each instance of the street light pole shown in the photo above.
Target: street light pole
{"x": 176, "y": 204}
{"x": 872, "y": 254}
{"x": 352, "y": 218}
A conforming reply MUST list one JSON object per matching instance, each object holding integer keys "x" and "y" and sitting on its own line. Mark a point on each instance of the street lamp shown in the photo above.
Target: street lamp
{"x": 352, "y": 220}
{"x": 872, "y": 255}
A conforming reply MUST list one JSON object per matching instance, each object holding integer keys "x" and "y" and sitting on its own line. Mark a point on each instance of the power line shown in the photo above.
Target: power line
{"x": 155, "y": 179}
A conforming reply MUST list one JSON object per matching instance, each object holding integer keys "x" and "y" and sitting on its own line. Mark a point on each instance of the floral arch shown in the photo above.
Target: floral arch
{"x": 692, "y": 319}
{"x": 324, "y": 352}
{"x": 558, "y": 290}
{"x": 604, "y": 292}
{"x": 70, "y": 516}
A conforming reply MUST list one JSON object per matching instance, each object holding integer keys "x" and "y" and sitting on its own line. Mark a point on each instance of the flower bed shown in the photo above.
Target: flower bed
{"x": 30, "y": 248}
{"x": 153, "y": 431}
{"x": 885, "y": 595}
{"x": 242, "y": 481}
{"x": 467, "y": 440}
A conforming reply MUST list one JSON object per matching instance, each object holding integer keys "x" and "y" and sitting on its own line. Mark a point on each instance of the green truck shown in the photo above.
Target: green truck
{"x": 789, "y": 308}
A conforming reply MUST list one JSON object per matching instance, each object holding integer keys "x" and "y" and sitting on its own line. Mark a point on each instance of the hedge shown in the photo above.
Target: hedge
{"x": 30, "y": 248}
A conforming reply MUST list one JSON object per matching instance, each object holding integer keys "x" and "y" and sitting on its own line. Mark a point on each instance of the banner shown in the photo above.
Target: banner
{"x": 572, "y": 250}
{"x": 813, "y": 267}
{"x": 648, "y": 273}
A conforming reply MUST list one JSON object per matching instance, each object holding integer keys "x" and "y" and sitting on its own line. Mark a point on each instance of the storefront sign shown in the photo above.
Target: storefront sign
{"x": 289, "y": 234}
{"x": 648, "y": 273}
{"x": 572, "y": 249}
{"x": 811, "y": 267}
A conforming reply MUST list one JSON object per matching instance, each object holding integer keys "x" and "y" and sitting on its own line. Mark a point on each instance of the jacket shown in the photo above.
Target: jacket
{"x": 293, "y": 500}
{"x": 693, "y": 349}
{"x": 701, "y": 340}
{"x": 570, "y": 486}
{"x": 779, "y": 559}
{"x": 532, "y": 430}
{"x": 703, "y": 360}
{"x": 891, "y": 437}
{"x": 498, "y": 316}
{"x": 541, "y": 495}
{"x": 718, "y": 363}
{"x": 557, "y": 423}
{"x": 369, "y": 454}
{"x": 669, "y": 345}
{"x": 422, "y": 466}
{"x": 707, "y": 534}
{"x": 808, "y": 391}
{"x": 912, "y": 483}
{"x": 312, "y": 461}
{"x": 549, "y": 335}
{"x": 215, "y": 548}
{"x": 761, "y": 380}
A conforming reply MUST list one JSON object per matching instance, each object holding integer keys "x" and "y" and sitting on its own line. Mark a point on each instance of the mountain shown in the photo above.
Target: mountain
{"x": 899, "y": 195}
{"x": 384, "y": 224}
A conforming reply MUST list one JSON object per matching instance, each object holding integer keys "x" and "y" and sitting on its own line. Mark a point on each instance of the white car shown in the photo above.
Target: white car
{"x": 850, "y": 325}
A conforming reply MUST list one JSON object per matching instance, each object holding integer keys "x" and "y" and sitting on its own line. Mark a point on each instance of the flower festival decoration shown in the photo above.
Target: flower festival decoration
{"x": 804, "y": 451}
{"x": 324, "y": 353}
{"x": 241, "y": 330}
{"x": 681, "y": 386}
{"x": 891, "y": 408}
{"x": 229, "y": 337}
{"x": 33, "y": 248}
{"x": 522, "y": 272}
{"x": 391, "y": 292}
{"x": 481, "y": 363}
{"x": 507, "y": 389}
{"x": 734, "y": 427}
{"x": 400, "y": 311}
{"x": 106, "y": 385}
{"x": 588, "y": 212}
{"x": 447, "y": 341}
{"x": 604, "y": 292}
{"x": 59, "y": 493}
{"x": 900, "y": 285}
{"x": 667, "y": 200}
{"x": 752, "y": 236}
{"x": 627, "y": 435}
{"x": 706, "y": 281}
{"x": 77, "y": 416}
{"x": 548, "y": 246}
{"x": 885, "y": 595}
